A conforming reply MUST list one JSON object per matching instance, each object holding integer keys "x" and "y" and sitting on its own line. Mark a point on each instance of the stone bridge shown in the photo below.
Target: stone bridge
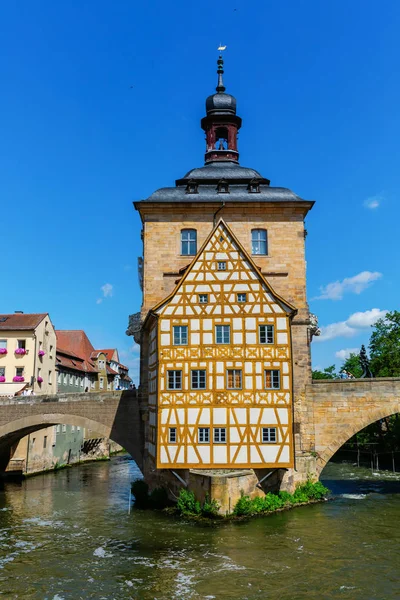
{"x": 340, "y": 409}
{"x": 115, "y": 415}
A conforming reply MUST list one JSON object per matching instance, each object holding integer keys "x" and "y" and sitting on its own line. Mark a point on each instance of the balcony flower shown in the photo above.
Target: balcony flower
{"x": 19, "y": 378}
{"x": 20, "y": 351}
{"x": 40, "y": 380}
{"x": 41, "y": 353}
{"x": 3, "y": 350}
{"x": 2, "y": 379}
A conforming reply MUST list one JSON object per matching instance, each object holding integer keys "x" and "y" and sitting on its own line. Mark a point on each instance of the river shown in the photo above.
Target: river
{"x": 68, "y": 535}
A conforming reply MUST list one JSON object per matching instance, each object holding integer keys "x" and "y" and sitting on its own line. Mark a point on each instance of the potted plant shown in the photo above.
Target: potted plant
{"x": 20, "y": 351}
{"x": 40, "y": 379}
{"x": 2, "y": 379}
{"x": 3, "y": 351}
{"x": 41, "y": 353}
{"x": 19, "y": 378}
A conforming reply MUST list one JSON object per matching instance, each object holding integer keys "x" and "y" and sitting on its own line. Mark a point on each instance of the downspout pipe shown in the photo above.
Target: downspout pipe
{"x": 216, "y": 212}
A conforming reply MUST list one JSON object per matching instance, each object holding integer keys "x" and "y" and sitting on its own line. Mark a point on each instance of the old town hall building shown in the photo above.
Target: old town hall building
{"x": 225, "y": 327}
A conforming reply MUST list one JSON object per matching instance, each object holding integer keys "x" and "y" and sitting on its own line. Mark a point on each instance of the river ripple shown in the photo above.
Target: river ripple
{"x": 68, "y": 536}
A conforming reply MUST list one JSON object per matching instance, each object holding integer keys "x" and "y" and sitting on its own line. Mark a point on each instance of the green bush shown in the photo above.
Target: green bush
{"x": 210, "y": 508}
{"x": 140, "y": 490}
{"x": 245, "y": 506}
{"x": 187, "y": 503}
{"x": 159, "y": 498}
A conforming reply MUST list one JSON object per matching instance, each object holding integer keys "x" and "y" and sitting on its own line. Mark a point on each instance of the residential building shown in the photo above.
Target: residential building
{"x": 92, "y": 364}
{"x": 27, "y": 353}
{"x": 116, "y": 369}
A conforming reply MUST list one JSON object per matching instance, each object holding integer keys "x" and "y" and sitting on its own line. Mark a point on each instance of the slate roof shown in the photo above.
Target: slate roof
{"x": 21, "y": 321}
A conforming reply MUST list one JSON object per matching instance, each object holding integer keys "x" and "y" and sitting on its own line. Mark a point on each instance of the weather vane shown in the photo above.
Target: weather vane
{"x": 221, "y": 48}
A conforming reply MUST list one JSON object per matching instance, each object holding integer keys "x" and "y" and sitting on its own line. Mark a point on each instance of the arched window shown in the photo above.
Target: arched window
{"x": 259, "y": 241}
{"x": 188, "y": 242}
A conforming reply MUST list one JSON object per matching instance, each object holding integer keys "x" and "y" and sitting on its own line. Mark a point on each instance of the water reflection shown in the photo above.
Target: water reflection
{"x": 68, "y": 536}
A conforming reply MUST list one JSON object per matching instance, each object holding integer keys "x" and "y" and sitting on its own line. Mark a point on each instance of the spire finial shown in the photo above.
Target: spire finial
{"x": 220, "y": 71}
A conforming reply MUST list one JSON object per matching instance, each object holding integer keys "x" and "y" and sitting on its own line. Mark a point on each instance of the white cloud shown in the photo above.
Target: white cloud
{"x": 354, "y": 285}
{"x": 352, "y": 326}
{"x": 345, "y": 353}
{"x": 373, "y": 201}
{"x": 107, "y": 290}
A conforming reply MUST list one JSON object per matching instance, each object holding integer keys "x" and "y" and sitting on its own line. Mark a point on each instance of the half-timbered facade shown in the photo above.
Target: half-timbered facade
{"x": 220, "y": 391}
{"x": 224, "y": 326}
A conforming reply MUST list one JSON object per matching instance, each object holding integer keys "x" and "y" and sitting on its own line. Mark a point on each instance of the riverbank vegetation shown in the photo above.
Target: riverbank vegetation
{"x": 189, "y": 506}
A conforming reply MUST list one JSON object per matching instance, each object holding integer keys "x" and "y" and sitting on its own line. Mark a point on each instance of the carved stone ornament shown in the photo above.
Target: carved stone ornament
{"x": 313, "y": 327}
{"x": 135, "y": 327}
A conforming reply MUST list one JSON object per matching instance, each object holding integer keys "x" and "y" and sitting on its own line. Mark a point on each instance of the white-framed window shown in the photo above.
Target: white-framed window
{"x": 203, "y": 435}
{"x": 101, "y": 383}
{"x": 72, "y": 428}
{"x": 223, "y": 334}
{"x": 51, "y": 351}
{"x": 21, "y": 344}
{"x": 56, "y": 430}
{"x": 76, "y": 380}
{"x": 50, "y": 377}
{"x": 242, "y": 297}
{"x": 199, "y": 379}
{"x": 272, "y": 379}
{"x": 59, "y": 377}
{"x": 81, "y": 381}
{"x": 39, "y": 372}
{"x": 259, "y": 241}
{"x": 101, "y": 364}
{"x": 78, "y": 428}
{"x": 71, "y": 379}
{"x": 203, "y": 298}
{"x": 188, "y": 242}
{"x": 180, "y": 335}
{"x": 174, "y": 380}
{"x": 19, "y": 371}
{"x": 266, "y": 334}
{"x": 269, "y": 435}
{"x": 65, "y": 379}
{"x": 109, "y": 385}
{"x": 221, "y": 265}
{"x": 2, "y": 371}
{"x": 234, "y": 379}
{"x": 172, "y": 435}
{"x": 219, "y": 435}
{"x": 63, "y": 428}
{"x": 3, "y": 343}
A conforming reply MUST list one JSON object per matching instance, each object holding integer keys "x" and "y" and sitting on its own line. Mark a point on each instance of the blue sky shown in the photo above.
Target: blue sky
{"x": 318, "y": 90}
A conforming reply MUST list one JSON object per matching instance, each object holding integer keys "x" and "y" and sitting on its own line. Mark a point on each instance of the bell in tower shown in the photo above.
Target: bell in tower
{"x": 221, "y": 124}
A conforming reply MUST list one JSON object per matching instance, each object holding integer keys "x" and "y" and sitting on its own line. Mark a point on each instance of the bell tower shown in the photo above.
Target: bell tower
{"x": 221, "y": 125}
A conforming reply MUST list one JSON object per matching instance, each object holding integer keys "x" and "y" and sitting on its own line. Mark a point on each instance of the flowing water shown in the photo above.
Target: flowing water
{"x": 68, "y": 535}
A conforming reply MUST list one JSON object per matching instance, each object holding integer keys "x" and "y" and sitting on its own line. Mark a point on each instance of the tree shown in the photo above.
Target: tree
{"x": 385, "y": 346}
{"x": 327, "y": 373}
{"x": 352, "y": 365}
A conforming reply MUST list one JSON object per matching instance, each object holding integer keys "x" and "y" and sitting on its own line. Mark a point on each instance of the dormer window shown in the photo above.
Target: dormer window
{"x": 192, "y": 187}
{"x": 223, "y": 187}
{"x": 254, "y": 186}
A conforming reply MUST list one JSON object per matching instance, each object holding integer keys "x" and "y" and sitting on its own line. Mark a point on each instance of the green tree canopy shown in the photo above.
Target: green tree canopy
{"x": 385, "y": 346}
{"x": 328, "y": 373}
{"x": 352, "y": 365}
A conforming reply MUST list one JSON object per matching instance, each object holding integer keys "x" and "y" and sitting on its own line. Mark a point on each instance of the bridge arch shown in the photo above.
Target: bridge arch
{"x": 347, "y": 430}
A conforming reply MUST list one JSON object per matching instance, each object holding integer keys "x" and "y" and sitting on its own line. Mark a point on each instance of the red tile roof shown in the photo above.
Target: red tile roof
{"x": 21, "y": 321}
{"x": 109, "y": 353}
{"x": 77, "y": 342}
{"x": 70, "y": 362}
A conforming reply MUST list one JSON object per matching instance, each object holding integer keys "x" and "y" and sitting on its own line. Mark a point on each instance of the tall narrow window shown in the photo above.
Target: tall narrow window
{"x": 180, "y": 335}
{"x": 259, "y": 241}
{"x": 204, "y": 435}
{"x": 234, "y": 379}
{"x": 223, "y": 334}
{"x": 174, "y": 380}
{"x": 199, "y": 379}
{"x": 188, "y": 242}
{"x": 172, "y": 435}
{"x": 272, "y": 379}
{"x": 266, "y": 334}
{"x": 21, "y": 344}
{"x": 219, "y": 435}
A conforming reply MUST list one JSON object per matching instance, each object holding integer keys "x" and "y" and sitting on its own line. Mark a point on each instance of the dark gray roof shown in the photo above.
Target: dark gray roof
{"x": 222, "y": 170}
{"x": 237, "y": 193}
{"x": 221, "y": 103}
